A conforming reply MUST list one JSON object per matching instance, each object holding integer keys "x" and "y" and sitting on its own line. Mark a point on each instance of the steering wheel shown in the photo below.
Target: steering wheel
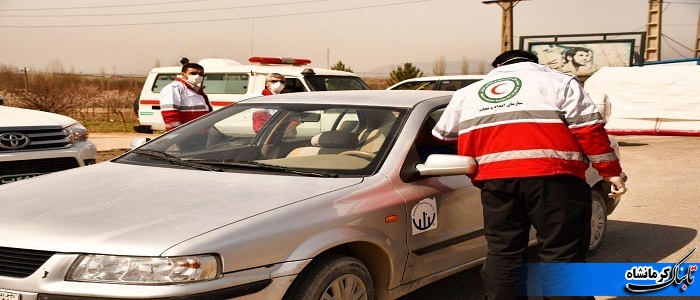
{"x": 360, "y": 154}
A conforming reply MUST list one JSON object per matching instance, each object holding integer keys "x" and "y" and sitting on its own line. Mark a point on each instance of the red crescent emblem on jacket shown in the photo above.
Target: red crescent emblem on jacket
{"x": 493, "y": 89}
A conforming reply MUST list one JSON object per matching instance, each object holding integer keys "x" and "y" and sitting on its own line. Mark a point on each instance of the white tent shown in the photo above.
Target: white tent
{"x": 663, "y": 100}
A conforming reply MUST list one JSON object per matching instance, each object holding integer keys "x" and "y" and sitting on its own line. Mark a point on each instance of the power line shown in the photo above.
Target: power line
{"x": 672, "y": 48}
{"x": 215, "y": 20}
{"x": 106, "y": 6}
{"x": 161, "y": 12}
{"x": 683, "y": 2}
{"x": 691, "y": 50}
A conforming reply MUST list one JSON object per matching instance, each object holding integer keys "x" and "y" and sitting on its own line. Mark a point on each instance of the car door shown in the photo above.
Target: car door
{"x": 445, "y": 220}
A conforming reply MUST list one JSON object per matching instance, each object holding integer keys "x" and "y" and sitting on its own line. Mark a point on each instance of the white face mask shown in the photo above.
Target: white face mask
{"x": 194, "y": 79}
{"x": 277, "y": 87}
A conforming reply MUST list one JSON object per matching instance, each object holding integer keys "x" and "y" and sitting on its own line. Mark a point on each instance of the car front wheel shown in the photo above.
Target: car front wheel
{"x": 333, "y": 277}
{"x": 599, "y": 222}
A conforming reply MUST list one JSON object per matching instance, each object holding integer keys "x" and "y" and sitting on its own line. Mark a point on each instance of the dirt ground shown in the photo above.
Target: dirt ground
{"x": 109, "y": 154}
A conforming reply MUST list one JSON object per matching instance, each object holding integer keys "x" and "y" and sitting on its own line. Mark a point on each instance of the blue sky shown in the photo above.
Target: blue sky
{"x": 131, "y": 36}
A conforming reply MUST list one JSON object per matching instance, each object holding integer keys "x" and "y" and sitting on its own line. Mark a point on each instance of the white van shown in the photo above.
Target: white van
{"x": 437, "y": 83}
{"x": 227, "y": 81}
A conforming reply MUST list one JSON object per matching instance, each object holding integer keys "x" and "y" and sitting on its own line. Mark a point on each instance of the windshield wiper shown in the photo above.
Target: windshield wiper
{"x": 175, "y": 160}
{"x": 267, "y": 167}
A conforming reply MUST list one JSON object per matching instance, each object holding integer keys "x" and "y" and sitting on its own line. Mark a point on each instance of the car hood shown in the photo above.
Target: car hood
{"x": 121, "y": 209}
{"x": 19, "y": 117}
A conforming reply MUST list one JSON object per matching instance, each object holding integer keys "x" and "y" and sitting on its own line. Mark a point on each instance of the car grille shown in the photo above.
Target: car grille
{"x": 44, "y": 165}
{"x": 44, "y": 137}
{"x": 21, "y": 263}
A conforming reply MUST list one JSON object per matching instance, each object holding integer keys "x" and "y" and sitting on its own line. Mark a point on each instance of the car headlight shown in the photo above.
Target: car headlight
{"x": 76, "y": 133}
{"x": 144, "y": 270}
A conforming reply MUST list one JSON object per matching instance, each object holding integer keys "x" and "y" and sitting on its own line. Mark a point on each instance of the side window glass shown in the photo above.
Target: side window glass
{"x": 453, "y": 85}
{"x": 417, "y": 85}
{"x": 226, "y": 83}
{"x": 426, "y": 144}
{"x": 293, "y": 85}
{"x": 161, "y": 81}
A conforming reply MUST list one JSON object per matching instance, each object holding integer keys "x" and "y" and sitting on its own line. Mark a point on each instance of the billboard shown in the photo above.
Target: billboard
{"x": 583, "y": 58}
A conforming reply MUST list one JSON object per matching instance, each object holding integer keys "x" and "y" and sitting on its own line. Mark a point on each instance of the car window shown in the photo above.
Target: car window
{"x": 336, "y": 83}
{"x": 453, "y": 85}
{"x": 229, "y": 83}
{"x": 293, "y": 85}
{"x": 215, "y": 83}
{"x": 425, "y": 144}
{"x": 344, "y": 140}
{"x": 161, "y": 81}
{"x": 417, "y": 85}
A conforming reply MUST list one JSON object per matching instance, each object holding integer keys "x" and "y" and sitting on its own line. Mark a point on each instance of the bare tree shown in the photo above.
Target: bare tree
{"x": 465, "y": 65}
{"x": 157, "y": 65}
{"x": 439, "y": 66}
{"x": 56, "y": 93}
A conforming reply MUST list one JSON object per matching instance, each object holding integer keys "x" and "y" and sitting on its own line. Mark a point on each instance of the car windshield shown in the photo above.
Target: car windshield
{"x": 336, "y": 83}
{"x": 313, "y": 140}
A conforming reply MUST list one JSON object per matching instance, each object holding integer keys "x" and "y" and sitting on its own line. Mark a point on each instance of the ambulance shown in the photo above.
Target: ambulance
{"x": 227, "y": 81}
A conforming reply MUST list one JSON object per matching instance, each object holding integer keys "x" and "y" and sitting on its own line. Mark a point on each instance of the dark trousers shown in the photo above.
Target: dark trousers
{"x": 558, "y": 207}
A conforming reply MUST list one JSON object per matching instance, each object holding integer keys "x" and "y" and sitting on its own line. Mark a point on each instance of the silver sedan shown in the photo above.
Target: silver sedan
{"x": 333, "y": 195}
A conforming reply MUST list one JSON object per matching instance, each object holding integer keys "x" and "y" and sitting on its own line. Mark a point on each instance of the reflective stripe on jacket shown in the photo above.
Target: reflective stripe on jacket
{"x": 527, "y": 120}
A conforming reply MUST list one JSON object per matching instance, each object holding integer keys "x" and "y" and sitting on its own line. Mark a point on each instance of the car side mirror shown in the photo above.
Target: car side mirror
{"x": 446, "y": 165}
{"x": 137, "y": 142}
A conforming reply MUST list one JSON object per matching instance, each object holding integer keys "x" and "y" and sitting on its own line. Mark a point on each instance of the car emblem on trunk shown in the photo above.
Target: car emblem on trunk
{"x": 13, "y": 140}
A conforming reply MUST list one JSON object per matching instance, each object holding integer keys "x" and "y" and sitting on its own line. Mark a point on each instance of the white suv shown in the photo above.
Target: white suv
{"x": 33, "y": 143}
{"x": 227, "y": 81}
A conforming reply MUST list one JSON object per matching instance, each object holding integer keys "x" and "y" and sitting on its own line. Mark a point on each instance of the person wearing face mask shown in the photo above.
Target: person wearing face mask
{"x": 184, "y": 99}
{"x": 274, "y": 84}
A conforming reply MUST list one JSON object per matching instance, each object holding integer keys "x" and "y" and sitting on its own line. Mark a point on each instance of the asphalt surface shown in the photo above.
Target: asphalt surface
{"x": 656, "y": 221}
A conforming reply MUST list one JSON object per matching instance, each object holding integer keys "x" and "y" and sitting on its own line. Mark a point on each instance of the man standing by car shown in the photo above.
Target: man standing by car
{"x": 532, "y": 131}
{"x": 184, "y": 99}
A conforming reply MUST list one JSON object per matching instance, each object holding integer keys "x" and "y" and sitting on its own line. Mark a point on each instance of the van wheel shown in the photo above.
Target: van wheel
{"x": 599, "y": 222}
{"x": 333, "y": 277}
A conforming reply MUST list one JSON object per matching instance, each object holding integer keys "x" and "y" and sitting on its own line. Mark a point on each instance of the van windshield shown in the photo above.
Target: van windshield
{"x": 336, "y": 83}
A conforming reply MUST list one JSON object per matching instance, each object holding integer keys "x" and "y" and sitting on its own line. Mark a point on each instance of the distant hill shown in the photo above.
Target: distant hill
{"x": 476, "y": 66}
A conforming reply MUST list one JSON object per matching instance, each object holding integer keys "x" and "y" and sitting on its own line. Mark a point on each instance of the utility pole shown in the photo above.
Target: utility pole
{"x": 26, "y": 78}
{"x": 653, "y": 42}
{"x": 507, "y": 22}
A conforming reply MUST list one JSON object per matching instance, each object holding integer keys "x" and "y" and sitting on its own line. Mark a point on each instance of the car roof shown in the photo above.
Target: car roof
{"x": 445, "y": 77}
{"x": 382, "y": 98}
{"x": 264, "y": 69}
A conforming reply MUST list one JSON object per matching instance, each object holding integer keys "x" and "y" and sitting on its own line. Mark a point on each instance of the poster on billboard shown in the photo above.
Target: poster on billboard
{"x": 583, "y": 58}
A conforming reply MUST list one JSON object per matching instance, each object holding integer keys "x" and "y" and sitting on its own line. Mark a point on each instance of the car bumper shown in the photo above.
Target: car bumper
{"x": 38, "y": 162}
{"x": 270, "y": 282}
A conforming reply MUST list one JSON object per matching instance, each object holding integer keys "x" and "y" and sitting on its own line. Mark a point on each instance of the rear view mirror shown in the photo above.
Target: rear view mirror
{"x": 307, "y": 117}
{"x": 447, "y": 164}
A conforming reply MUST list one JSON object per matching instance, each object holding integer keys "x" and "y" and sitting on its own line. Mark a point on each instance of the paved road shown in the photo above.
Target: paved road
{"x": 657, "y": 220}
